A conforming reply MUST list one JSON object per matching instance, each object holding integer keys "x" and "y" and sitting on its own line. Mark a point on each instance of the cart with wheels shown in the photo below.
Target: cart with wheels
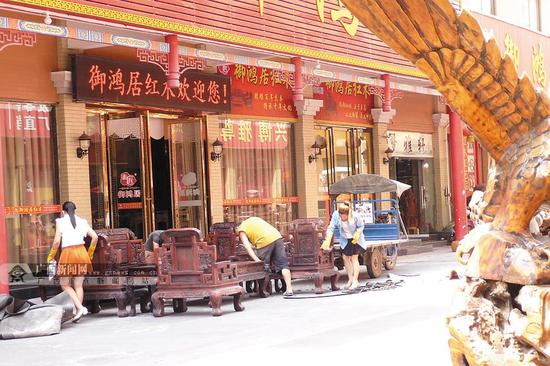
{"x": 384, "y": 229}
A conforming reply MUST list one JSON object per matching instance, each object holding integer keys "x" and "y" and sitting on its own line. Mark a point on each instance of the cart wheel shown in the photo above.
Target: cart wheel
{"x": 391, "y": 260}
{"x": 280, "y": 285}
{"x": 374, "y": 263}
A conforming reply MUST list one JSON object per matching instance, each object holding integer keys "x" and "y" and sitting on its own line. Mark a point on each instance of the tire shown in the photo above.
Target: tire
{"x": 178, "y": 305}
{"x": 250, "y": 287}
{"x": 374, "y": 263}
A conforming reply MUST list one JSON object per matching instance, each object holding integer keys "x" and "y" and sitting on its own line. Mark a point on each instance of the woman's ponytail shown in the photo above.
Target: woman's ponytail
{"x": 69, "y": 207}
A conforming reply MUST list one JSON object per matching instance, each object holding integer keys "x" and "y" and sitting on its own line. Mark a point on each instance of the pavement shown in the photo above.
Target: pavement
{"x": 403, "y": 326}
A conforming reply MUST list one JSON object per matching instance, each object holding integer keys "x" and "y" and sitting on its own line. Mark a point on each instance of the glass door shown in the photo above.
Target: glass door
{"x": 126, "y": 174}
{"x": 187, "y": 174}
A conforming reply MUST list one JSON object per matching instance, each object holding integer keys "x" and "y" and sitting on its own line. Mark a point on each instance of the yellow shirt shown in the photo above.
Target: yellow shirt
{"x": 259, "y": 232}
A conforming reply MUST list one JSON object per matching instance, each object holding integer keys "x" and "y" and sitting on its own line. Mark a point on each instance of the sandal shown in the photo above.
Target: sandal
{"x": 288, "y": 294}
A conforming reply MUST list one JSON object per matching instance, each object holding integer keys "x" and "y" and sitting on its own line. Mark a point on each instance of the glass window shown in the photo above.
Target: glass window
{"x": 258, "y": 171}
{"x": 29, "y": 181}
{"x": 482, "y": 6}
{"x": 97, "y": 168}
{"x": 519, "y": 12}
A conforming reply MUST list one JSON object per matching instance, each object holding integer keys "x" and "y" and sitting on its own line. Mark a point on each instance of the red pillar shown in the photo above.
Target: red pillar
{"x": 173, "y": 62}
{"x": 386, "y": 103}
{"x": 298, "y": 92}
{"x": 457, "y": 176}
{"x": 4, "y": 285}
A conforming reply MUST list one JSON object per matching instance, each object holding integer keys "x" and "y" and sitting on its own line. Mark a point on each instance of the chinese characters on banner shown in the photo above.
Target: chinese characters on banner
{"x": 344, "y": 102}
{"x": 244, "y": 134}
{"x": 260, "y": 92}
{"x": 25, "y": 120}
{"x": 469, "y": 164}
{"x": 143, "y": 84}
{"x": 410, "y": 144}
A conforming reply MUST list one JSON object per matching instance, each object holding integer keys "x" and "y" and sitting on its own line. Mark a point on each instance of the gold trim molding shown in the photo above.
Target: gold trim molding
{"x": 190, "y": 30}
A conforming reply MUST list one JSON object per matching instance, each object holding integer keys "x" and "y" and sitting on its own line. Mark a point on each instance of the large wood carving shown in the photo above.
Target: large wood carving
{"x": 503, "y": 316}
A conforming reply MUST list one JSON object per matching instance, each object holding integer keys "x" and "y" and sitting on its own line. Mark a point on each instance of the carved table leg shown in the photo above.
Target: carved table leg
{"x": 216, "y": 301}
{"x": 94, "y": 307}
{"x": 179, "y": 305}
{"x": 237, "y": 302}
{"x": 132, "y": 299}
{"x": 318, "y": 280}
{"x": 262, "y": 288}
{"x": 334, "y": 282}
{"x": 158, "y": 304}
{"x": 121, "y": 301}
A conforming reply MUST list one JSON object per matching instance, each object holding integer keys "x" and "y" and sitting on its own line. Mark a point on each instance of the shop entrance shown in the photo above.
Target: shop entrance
{"x": 417, "y": 204}
{"x": 346, "y": 151}
{"x": 146, "y": 171}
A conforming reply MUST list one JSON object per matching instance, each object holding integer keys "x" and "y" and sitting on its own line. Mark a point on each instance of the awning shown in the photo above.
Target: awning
{"x": 367, "y": 183}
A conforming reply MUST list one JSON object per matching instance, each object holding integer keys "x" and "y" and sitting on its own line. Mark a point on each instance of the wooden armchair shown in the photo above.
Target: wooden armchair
{"x": 116, "y": 253}
{"x": 222, "y": 235}
{"x": 188, "y": 268}
{"x": 306, "y": 259}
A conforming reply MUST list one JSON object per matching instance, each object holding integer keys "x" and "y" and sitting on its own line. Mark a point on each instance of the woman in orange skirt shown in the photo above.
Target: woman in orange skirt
{"x": 75, "y": 261}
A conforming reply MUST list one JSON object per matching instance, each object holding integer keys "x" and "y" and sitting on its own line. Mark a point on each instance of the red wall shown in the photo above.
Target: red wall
{"x": 414, "y": 113}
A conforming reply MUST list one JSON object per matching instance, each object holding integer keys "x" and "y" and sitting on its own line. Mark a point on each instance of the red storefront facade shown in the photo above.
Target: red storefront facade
{"x": 297, "y": 73}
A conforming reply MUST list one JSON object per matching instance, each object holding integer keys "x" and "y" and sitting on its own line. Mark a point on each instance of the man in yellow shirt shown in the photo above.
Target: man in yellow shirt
{"x": 264, "y": 243}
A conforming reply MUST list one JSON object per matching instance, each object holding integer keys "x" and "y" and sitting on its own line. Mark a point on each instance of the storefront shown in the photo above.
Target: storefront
{"x": 147, "y": 160}
{"x": 258, "y": 165}
{"x": 343, "y": 130}
{"x": 413, "y": 164}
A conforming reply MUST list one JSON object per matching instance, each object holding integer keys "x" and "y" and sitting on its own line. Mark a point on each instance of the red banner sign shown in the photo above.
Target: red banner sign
{"x": 261, "y": 201}
{"x": 256, "y": 91}
{"x": 244, "y": 134}
{"x": 24, "y": 120}
{"x": 344, "y": 102}
{"x": 32, "y": 210}
{"x": 145, "y": 84}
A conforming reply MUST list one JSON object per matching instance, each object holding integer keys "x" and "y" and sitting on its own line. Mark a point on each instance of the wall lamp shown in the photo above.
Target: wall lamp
{"x": 217, "y": 148}
{"x": 389, "y": 155}
{"x": 83, "y": 145}
{"x": 316, "y": 152}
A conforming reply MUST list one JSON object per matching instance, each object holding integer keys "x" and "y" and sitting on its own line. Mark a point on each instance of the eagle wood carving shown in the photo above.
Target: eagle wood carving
{"x": 509, "y": 117}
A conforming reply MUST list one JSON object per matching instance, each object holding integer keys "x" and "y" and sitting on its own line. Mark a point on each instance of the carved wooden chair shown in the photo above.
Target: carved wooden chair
{"x": 117, "y": 252}
{"x": 188, "y": 268}
{"x": 306, "y": 259}
{"x": 251, "y": 273}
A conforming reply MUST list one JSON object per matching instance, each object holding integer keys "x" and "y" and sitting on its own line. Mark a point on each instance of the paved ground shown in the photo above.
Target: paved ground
{"x": 404, "y": 326}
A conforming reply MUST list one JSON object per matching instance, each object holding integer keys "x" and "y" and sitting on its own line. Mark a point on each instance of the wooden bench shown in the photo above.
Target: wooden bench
{"x": 188, "y": 268}
{"x": 249, "y": 272}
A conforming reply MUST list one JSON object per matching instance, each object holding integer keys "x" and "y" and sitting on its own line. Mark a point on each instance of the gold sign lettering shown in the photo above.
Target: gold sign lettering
{"x": 512, "y": 50}
{"x": 539, "y": 73}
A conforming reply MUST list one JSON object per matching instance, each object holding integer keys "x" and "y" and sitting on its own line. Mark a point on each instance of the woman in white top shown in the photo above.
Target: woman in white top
{"x": 74, "y": 261}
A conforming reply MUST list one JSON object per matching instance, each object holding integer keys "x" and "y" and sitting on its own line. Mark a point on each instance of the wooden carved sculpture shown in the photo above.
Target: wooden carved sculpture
{"x": 512, "y": 121}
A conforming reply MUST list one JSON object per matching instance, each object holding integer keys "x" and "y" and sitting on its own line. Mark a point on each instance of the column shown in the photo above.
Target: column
{"x": 4, "y": 284}
{"x": 215, "y": 178}
{"x": 381, "y": 120}
{"x": 74, "y": 177}
{"x": 457, "y": 178}
{"x": 441, "y": 170}
{"x": 306, "y": 173}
